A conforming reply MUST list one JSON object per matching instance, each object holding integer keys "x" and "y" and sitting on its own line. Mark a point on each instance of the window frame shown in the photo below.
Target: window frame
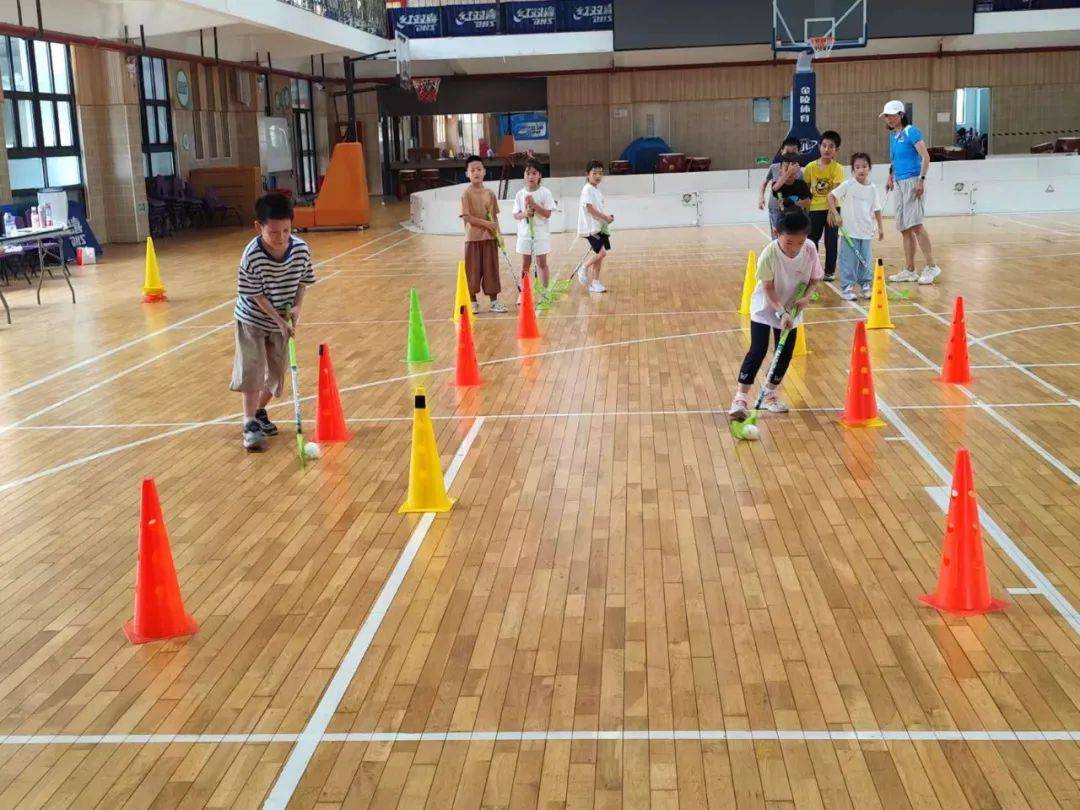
{"x": 145, "y": 106}
{"x": 305, "y": 162}
{"x": 37, "y": 99}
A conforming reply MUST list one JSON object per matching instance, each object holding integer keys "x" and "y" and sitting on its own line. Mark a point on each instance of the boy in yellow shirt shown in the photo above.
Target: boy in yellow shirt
{"x": 823, "y": 175}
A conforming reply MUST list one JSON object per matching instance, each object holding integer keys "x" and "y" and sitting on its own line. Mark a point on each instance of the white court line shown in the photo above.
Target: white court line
{"x": 1024, "y": 329}
{"x": 1037, "y": 578}
{"x": 627, "y": 735}
{"x": 1024, "y": 591}
{"x": 177, "y": 325}
{"x": 1000, "y": 355}
{"x": 1004, "y": 542}
{"x": 301, "y": 754}
{"x": 1031, "y": 225}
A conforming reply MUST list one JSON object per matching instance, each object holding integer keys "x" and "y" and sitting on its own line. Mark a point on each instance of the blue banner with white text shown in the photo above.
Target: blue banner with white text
{"x": 804, "y": 116}
{"x": 472, "y": 20}
{"x": 417, "y": 23}
{"x": 531, "y": 17}
{"x": 579, "y": 15}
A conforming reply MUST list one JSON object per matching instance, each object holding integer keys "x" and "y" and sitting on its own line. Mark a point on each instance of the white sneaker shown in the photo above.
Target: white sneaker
{"x": 739, "y": 405}
{"x": 773, "y": 404}
{"x": 848, "y": 293}
{"x": 597, "y": 287}
{"x": 497, "y": 307}
{"x": 582, "y": 275}
{"x": 475, "y": 308}
{"x": 904, "y": 276}
{"x": 929, "y": 273}
{"x": 866, "y": 291}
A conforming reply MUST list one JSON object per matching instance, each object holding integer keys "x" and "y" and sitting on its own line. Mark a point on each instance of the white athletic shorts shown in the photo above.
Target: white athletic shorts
{"x": 533, "y": 247}
{"x": 909, "y": 208}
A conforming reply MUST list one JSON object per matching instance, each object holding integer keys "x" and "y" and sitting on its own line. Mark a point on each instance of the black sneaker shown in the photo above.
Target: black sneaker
{"x": 268, "y": 427}
{"x": 254, "y": 438}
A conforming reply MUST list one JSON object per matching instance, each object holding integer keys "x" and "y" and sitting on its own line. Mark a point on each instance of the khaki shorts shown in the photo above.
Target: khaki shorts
{"x": 260, "y": 360}
{"x": 909, "y": 208}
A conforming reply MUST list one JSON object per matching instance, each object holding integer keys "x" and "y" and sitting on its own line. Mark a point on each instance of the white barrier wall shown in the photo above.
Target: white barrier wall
{"x": 1020, "y": 184}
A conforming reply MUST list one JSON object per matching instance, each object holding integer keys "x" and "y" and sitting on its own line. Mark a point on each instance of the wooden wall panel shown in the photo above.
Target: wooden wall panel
{"x": 579, "y": 89}
{"x": 578, "y": 134}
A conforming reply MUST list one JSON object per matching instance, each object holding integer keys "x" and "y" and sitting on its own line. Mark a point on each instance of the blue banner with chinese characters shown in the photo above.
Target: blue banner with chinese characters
{"x": 470, "y": 21}
{"x": 82, "y": 234}
{"x": 804, "y": 116}
{"x": 531, "y": 17}
{"x": 579, "y": 15}
{"x": 417, "y": 23}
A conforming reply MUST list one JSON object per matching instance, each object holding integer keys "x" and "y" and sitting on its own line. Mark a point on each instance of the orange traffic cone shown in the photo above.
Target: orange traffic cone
{"x": 159, "y": 609}
{"x": 860, "y": 409}
{"x": 329, "y": 420}
{"x": 467, "y": 369}
{"x": 528, "y": 328}
{"x": 963, "y": 585}
{"x": 955, "y": 368}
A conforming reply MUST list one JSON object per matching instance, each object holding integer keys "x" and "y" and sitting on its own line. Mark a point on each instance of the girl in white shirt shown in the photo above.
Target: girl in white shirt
{"x": 862, "y": 215}
{"x": 533, "y": 206}
{"x": 787, "y": 262}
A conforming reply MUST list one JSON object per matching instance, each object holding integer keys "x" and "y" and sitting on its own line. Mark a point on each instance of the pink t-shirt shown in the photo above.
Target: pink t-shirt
{"x": 786, "y": 274}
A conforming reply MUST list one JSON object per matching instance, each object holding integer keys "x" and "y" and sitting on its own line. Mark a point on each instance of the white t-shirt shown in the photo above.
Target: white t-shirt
{"x": 858, "y": 203}
{"x": 587, "y": 224}
{"x": 786, "y": 274}
{"x": 541, "y": 225}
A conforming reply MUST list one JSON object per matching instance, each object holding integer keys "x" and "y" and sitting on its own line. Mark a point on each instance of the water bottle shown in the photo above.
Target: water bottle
{"x": 9, "y": 223}
{"x": 46, "y": 216}
{"x": 35, "y": 218}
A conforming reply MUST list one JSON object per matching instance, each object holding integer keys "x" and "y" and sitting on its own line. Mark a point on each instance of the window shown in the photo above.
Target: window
{"x": 304, "y": 138}
{"x": 41, "y": 135}
{"x": 785, "y": 108}
{"x": 470, "y": 132}
{"x": 157, "y": 130}
{"x": 761, "y": 111}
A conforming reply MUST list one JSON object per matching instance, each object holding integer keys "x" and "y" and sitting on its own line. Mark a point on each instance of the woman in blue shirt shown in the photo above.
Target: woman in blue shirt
{"x": 910, "y": 163}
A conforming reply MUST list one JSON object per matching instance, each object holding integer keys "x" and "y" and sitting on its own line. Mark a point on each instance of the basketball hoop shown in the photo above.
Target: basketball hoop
{"x": 427, "y": 90}
{"x": 822, "y": 46}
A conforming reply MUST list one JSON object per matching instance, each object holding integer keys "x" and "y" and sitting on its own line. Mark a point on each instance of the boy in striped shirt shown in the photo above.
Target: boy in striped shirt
{"x": 274, "y": 272}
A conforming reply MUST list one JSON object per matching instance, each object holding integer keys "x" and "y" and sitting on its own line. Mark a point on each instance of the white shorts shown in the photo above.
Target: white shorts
{"x": 909, "y": 208}
{"x": 540, "y": 246}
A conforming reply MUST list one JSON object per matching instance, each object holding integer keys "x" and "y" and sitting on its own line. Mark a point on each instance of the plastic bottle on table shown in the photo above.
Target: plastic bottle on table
{"x": 46, "y": 215}
{"x": 9, "y": 223}
{"x": 35, "y": 218}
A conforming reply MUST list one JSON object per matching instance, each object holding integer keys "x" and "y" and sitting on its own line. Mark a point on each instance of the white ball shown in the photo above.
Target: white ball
{"x": 312, "y": 450}
{"x": 751, "y": 433}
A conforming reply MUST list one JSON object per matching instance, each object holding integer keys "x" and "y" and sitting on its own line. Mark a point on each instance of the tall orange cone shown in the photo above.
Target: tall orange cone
{"x": 329, "y": 420}
{"x": 467, "y": 369}
{"x": 860, "y": 409}
{"x": 528, "y": 328}
{"x": 879, "y": 317}
{"x": 159, "y": 608}
{"x": 956, "y": 368}
{"x": 963, "y": 585}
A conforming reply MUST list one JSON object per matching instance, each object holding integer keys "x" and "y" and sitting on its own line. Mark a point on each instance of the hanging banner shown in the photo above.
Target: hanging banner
{"x": 530, "y": 126}
{"x": 82, "y": 234}
{"x": 417, "y": 23}
{"x": 530, "y": 18}
{"x": 804, "y": 116}
{"x": 579, "y": 15}
{"x": 471, "y": 21}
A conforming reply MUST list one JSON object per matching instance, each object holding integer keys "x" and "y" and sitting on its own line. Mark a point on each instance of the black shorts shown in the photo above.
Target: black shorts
{"x": 598, "y": 241}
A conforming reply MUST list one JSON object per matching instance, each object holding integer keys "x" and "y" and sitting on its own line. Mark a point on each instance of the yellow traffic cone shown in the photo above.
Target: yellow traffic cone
{"x": 800, "y": 343}
{"x": 461, "y": 295}
{"x": 748, "y": 284}
{"x": 153, "y": 289}
{"x": 879, "y": 301}
{"x": 427, "y": 492}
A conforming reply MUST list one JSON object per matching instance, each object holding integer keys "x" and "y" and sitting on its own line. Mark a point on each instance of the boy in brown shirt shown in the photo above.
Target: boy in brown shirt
{"x": 480, "y": 213}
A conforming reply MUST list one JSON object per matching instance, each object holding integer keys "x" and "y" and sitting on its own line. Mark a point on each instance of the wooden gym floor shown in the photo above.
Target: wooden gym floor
{"x": 625, "y": 609}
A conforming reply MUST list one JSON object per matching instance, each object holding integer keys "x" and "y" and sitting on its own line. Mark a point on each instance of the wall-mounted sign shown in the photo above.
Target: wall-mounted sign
{"x": 183, "y": 89}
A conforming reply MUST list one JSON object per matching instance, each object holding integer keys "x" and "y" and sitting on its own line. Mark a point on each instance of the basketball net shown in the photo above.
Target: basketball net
{"x": 822, "y": 46}
{"x": 427, "y": 90}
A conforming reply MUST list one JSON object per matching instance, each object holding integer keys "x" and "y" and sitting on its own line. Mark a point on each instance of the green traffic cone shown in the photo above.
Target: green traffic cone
{"x": 417, "y": 351}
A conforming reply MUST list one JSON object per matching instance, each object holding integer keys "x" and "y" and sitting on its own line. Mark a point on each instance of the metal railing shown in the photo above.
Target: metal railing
{"x": 366, "y": 15}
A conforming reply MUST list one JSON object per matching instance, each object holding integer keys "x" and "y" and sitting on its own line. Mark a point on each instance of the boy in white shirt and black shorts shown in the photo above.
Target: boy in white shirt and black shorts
{"x": 592, "y": 224}
{"x": 533, "y": 206}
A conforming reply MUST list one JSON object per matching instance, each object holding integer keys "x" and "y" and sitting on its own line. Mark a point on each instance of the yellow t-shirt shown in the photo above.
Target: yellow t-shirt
{"x": 822, "y": 180}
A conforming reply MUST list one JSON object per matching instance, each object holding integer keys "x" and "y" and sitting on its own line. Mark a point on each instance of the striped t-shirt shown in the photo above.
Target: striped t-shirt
{"x": 261, "y": 273}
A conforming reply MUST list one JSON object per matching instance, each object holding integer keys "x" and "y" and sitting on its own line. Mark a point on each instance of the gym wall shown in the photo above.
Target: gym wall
{"x": 708, "y": 110}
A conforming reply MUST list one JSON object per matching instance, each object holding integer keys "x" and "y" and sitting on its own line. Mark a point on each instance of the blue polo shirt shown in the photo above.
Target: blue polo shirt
{"x": 906, "y": 161}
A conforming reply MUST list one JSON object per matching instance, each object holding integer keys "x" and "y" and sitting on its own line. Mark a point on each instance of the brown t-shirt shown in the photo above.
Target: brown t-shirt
{"x": 478, "y": 202}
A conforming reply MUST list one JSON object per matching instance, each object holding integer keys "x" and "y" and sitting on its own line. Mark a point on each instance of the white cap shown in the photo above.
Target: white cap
{"x": 893, "y": 107}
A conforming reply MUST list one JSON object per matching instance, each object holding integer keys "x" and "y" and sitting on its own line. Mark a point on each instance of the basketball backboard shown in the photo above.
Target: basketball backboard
{"x": 797, "y": 22}
{"x": 404, "y": 66}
